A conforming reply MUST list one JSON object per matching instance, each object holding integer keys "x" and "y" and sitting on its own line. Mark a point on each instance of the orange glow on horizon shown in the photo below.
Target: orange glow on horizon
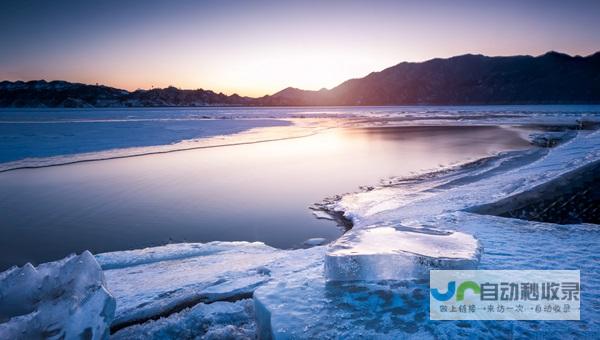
{"x": 259, "y": 48}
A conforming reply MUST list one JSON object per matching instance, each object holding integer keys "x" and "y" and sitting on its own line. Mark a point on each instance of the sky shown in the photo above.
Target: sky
{"x": 255, "y": 48}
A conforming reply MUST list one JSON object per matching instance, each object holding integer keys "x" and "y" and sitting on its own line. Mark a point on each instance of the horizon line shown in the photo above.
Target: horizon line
{"x": 296, "y": 88}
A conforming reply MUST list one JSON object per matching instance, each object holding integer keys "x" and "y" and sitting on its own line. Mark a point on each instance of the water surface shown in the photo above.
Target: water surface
{"x": 254, "y": 192}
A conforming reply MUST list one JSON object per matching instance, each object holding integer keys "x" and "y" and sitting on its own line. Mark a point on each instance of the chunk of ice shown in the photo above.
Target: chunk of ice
{"x": 303, "y": 305}
{"x": 389, "y": 253}
{"x": 322, "y": 215}
{"x": 317, "y": 241}
{"x": 66, "y": 299}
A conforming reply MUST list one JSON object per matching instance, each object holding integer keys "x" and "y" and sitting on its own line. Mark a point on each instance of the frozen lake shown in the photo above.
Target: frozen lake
{"x": 251, "y": 192}
{"x": 251, "y": 174}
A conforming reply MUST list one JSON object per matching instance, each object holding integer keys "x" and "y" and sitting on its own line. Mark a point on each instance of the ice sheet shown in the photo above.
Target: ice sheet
{"x": 394, "y": 225}
{"x": 193, "y": 273}
{"x": 44, "y": 137}
{"x": 34, "y": 139}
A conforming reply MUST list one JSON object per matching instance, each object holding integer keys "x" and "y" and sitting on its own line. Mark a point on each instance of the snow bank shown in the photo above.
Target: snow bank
{"x": 40, "y": 143}
{"x": 66, "y": 299}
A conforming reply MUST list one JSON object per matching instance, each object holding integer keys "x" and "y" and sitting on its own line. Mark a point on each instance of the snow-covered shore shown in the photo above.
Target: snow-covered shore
{"x": 45, "y": 137}
{"x": 369, "y": 283}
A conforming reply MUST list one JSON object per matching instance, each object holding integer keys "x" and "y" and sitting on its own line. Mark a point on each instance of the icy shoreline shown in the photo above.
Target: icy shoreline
{"x": 98, "y": 133}
{"x": 374, "y": 287}
{"x": 248, "y": 132}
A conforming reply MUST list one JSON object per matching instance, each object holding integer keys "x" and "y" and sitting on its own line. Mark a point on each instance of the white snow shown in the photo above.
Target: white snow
{"x": 66, "y": 299}
{"x": 45, "y": 143}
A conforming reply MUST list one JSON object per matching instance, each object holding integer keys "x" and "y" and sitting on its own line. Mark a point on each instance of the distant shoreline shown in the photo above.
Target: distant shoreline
{"x": 470, "y": 79}
{"x": 12, "y": 108}
{"x": 148, "y": 153}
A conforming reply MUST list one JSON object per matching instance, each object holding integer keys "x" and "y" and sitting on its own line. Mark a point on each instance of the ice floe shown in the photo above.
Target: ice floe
{"x": 317, "y": 241}
{"x": 392, "y": 253}
{"x": 66, "y": 299}
{"x": 321, "y": 215}
{"x": 194, "y": 273}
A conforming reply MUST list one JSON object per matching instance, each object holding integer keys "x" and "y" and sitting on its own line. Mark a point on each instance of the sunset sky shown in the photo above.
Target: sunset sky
{"x": 260, "y": 47}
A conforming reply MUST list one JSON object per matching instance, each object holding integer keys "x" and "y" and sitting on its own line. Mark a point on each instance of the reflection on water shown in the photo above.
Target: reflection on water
{"x": 255, "y": 192}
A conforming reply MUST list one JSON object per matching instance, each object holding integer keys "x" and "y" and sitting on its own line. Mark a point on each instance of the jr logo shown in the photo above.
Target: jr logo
{"x": 460, "y": 294}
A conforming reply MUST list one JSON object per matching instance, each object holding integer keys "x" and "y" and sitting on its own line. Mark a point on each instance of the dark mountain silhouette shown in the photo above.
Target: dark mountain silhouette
{"x": 467, "y": 79}
{"x": 39, "y": 93}
{"x": 172, "y": 96}
{"x": 552, "y": 78}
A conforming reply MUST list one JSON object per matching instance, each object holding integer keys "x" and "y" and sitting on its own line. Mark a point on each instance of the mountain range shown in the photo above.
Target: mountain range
{"x": 551, "y": 78}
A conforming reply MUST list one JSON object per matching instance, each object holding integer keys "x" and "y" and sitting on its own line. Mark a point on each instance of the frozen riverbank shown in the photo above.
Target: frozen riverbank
{"x": 294, "y": 297}
{"x": 40, "y": 144}
{"x": 256, "y": 191}
{"x": 297, "y": 296}
{"x": 33, "y": 138}
{"x": 240, "y": 289}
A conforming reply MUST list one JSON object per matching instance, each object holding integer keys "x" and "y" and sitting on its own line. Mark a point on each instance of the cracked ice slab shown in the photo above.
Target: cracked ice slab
{"x": 397, "y": 253}
{"x": 173, "y": 277}
{"x": 65, "y": 299}
{"x": 159, "y": 281}
{"x": 218, "y": 320}
{"x": 175, "y": 251}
